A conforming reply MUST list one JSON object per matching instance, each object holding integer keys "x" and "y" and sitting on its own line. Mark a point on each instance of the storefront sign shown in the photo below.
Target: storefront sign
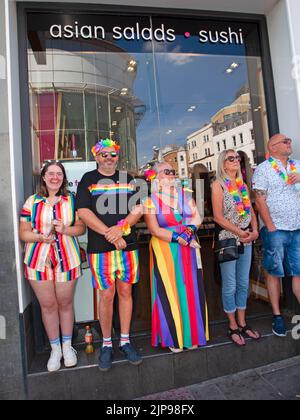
{"x": 136, "y": 33}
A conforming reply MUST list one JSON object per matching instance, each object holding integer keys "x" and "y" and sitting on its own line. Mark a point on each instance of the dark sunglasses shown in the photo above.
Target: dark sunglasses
{"x": 169, "y": 172}
{"x": 232, "y": 159}
{"x": 285, "y": 141}
{"x": 105, "y": 155}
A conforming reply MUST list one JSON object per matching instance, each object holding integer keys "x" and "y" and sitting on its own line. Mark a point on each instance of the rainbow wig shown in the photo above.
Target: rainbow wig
{"x": 150, "y": 175}
{"x": 104, "y": 144}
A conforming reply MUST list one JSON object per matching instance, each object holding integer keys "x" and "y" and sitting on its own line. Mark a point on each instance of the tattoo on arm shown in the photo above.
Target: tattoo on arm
{"x": 261, "y": 193}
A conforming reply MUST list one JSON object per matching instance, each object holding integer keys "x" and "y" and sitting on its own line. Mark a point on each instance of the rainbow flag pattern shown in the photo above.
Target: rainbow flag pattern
{"x": 111, "y": 189}
{"x": 179, "y": 308}
{"x": 39, "y": 213}
{"x": 109, "y": 266}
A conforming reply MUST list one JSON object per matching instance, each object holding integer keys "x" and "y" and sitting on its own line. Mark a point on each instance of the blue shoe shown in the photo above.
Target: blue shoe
{"x": 131, "y": 354}
{"x": 106, "y": 358}
{"x": 279, "y": 327}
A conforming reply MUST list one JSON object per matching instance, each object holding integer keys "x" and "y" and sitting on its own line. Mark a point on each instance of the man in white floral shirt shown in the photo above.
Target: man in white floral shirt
{"x": 276, "y": 183}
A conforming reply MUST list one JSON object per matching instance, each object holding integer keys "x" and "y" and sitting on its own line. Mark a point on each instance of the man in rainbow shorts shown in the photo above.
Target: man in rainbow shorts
{"x": 103, "y": 198}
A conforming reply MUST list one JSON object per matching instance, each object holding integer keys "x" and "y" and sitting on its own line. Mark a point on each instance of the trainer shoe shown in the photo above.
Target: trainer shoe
{"x": 70, "y": 355}
{"x": 131, "y": 354}
{"x": 54, "y": 363}
{"x": 279, "y": 327}
{"x": 106, "y": 358}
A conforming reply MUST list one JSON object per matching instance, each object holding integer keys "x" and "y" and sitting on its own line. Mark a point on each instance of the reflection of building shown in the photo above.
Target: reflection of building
{"x": 177, "y": 157}
{"x": 79, "y": 97}
{"x": 201, "y": 148}
{"x": 233, "y": 128}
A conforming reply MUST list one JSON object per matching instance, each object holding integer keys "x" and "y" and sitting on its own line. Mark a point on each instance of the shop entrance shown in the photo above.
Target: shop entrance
{"x": 172, "y": 89}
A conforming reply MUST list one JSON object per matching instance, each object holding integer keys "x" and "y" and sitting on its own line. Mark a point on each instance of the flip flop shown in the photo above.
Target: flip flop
{"x": 231, "y": 333}
{"x": 243, "y": 331}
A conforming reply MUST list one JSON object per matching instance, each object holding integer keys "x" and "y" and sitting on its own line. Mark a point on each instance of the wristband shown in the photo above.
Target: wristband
{"x": 125, "y": 227}
{"x": 193, "y": 228}
{"x": 187, "y": 236}
{"x": 175, "y": 237}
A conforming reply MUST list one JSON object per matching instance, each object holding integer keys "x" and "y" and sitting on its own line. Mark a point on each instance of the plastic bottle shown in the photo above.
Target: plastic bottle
{"x": 88, "y": 338}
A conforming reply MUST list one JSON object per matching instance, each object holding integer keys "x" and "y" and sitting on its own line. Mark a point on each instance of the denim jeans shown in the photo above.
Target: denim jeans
{"x": 281, "y": 252}
{"x": 235, "y": 282}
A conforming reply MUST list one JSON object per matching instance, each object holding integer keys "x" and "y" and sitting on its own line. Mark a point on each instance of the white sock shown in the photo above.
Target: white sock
{"x": 107, "y": 342}
{"x": 124, "y": 340}
{"x": 55, "y": 344}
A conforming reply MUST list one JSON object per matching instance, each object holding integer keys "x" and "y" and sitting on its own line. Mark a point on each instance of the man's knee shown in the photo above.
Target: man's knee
{"x": 107, "y": 296}
{"x": 124, "y": 291}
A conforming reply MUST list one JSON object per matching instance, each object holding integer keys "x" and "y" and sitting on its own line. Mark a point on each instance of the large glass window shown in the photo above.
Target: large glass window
{"x": 175, "y": 89}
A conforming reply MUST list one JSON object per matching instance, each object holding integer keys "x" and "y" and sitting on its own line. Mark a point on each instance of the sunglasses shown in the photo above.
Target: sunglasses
{"x": 232, "y": 159}
{"x": 285, "y": 141}
{"x": 169, "y": 172}
{"x": 105, "y": 155}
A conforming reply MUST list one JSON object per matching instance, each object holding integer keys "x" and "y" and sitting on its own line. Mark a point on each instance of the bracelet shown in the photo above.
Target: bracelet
{"x": 175, "y": 237}
{"x": 125, "y": 227}
{"x": 193, "y": 228}
{"x": 187, "y": 236}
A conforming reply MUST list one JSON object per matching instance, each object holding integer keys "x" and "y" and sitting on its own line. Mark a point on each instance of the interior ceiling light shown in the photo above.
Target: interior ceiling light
{"x": 124, "y": 91}
{"x": 229, "y": 71}
{"x": 234, "y": 65}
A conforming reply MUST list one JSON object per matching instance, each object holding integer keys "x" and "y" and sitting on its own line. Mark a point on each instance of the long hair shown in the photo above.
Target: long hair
{"x": 221, "y": 174}
{"x": 42, "y": 187}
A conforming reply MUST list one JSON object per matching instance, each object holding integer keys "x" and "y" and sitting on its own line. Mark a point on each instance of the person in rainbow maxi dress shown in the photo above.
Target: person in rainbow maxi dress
{"x": 179, "y": 309}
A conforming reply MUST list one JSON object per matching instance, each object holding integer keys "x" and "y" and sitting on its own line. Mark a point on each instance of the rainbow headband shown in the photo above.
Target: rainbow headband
{"x": 105, "y": 144}
{"x": 150, "y": 175}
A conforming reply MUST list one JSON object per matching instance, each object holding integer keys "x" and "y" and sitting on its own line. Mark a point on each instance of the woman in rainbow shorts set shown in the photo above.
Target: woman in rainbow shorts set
{"x": 49, "y": 227}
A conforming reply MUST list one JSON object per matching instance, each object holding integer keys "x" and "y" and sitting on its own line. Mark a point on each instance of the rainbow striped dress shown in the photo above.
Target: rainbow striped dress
{"x": 179, "y": 309}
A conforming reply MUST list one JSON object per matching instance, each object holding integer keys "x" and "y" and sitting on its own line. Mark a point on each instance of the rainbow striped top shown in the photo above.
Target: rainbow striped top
{"x": 40, "y": 214}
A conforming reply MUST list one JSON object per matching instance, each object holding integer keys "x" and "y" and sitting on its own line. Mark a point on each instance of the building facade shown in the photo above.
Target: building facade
{"x": 148, "y": 77}
{"x": 201, "y": 148}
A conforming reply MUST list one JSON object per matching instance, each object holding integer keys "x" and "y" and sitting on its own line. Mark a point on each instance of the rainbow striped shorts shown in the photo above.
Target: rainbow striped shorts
{"x": 115, "y": 265}
{"x": 52, "y": 274}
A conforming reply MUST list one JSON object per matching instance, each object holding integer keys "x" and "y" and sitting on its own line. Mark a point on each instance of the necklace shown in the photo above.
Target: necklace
{"x": 168, "y": 195}
{"x": 243, "y": 203}
{"x": 282, "y": 175}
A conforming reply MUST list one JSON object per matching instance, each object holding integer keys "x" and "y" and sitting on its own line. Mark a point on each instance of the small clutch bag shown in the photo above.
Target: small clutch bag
{"x": 228, "y": 250}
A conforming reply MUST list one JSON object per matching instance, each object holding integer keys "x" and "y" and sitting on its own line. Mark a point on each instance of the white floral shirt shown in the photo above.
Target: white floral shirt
{"x": 283, "y": 199}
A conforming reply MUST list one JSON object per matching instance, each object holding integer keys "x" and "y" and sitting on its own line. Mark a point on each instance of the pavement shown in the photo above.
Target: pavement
{"x": 278, "y": 381}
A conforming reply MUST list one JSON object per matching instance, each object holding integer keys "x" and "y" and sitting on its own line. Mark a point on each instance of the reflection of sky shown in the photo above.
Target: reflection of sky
{"x": 183, "y": 80}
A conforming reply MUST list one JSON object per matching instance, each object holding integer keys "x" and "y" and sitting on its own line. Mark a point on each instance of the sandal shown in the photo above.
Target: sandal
{"x": 231, "y": 333}
{"x": 245, "y": 332}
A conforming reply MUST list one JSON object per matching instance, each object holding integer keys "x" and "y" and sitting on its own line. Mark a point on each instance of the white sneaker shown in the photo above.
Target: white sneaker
{"x": 70, "y": 355}
{"x": 173, "y": 350}
{"x": 54, "y": 363}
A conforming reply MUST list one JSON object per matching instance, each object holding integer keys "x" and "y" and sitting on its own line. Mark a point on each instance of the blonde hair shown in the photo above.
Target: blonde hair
{"x": 221, "y": 174}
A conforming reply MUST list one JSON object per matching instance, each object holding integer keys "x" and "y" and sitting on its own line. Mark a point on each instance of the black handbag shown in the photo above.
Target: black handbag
{"x": 228, "y": 250}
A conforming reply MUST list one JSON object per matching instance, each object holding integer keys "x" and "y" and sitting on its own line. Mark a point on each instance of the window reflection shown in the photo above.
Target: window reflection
{"x": 181, "y": 101}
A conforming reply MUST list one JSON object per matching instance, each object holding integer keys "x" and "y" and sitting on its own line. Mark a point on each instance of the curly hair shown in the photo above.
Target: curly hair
{"x": 42, "y": 188}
